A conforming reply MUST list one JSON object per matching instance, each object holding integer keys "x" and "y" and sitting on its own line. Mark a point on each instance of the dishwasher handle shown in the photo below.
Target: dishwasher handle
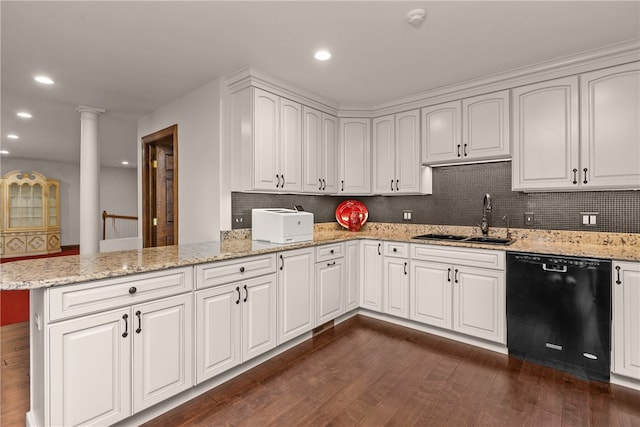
{"x": 555, "y": 268}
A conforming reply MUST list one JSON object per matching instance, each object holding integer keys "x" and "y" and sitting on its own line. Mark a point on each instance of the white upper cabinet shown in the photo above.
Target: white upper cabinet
{"x": 610, "y": 119}
{"x": 320, "y": 149}
{"x": 355, "y": 156}
{"x": 551, "y": 152}
{"x": 266, "y": 135}
{"x": 473, "y": 129}
{"x": 545, "y": 140}
{"x": 396, "y": 154}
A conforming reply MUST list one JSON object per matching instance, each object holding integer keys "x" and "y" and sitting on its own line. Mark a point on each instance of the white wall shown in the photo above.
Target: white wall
{"x": 118, "y": 191}
{"x": 197, "y": 115}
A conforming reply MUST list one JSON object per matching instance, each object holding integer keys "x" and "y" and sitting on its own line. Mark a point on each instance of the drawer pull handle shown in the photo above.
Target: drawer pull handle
{"x": 246, "y": 294}
{"x": 241, "y": 269}
{"x": 332, "y": 251}
{"x": 395, "y": 249}
{"x": 455, "y": 276}
{"x": 329, "y": 264}
{"x": 126, "y": 325}
{"x": 618, "y": 281}
{"x": 138, "y": 315}
{"x": 238, "y": 291}
{"x": 132, "y": 290}
{"x": 585, "y": 175}
{"x": 448, "y": 274}
{"x": 575, "y": 176}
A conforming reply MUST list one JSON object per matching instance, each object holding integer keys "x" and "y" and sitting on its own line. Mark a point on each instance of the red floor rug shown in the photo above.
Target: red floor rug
{"x": 14, "y": 305}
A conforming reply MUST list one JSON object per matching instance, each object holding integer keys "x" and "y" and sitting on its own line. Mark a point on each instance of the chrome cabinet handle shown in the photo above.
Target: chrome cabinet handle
{"x": 575, "y": 176}
{"x": 585, "y": 175}
{"x": 138, "y": 315}
{"x": 455, "y": 276}
{"x": 449, "y": 274}
{"x": 281, "y": 262}
{"x": 126, "y": 325}
{"x": 246, "y": 293}
{"x": 405, "y": 268}
{"x": 458, "y": 150}
{"x": 618, "y": 281}
{"x": 238, "y": 291}
{"x": 464, "y": 151}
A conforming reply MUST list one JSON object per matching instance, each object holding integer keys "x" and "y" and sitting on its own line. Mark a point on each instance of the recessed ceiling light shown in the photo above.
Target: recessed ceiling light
{"x": 44, "y": 80}
{"x": 12, "y": 136}
{"x": 24, "y": 115}
{"x": 124, "y": 162}
{"x": 4, "y": 152}
{"x": 322, "y": 55}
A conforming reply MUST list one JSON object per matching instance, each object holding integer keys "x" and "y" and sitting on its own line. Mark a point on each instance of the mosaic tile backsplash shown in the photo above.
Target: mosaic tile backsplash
{"x": 458, "y": 193}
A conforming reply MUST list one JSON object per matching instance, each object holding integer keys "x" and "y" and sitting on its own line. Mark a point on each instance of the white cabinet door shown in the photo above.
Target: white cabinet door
{"x": 258, "y": 316}
{"x": 218, "y": 330}
{"x": 546, "y": 135}
{"x": 430, "y": 293}
{"x": 290, "y": 147}
{"x": 352, "y": 275}
{"x": 485, "y": 126}
{"x": 329, "y": 290}
{"x": 90, "y": 369}
{"x": 266, "y": 140}
{"x": 296, "y": 296}
{"x": 626, "y": 319}
{"x": 441, "y": 133}
{"x": 371, "y": 275}
{"x": 162, "y": 349}
{"x": 384, "y": 173}
{"x": 407, "y": 152}
{"x": 329, "y": 154}
{"x": 355, "y": 156}
{"x": 610, "y": 111}
{"x": 479, "y": 303}
{"x": 311, "y": 149}
{"x": 396, "y": 286}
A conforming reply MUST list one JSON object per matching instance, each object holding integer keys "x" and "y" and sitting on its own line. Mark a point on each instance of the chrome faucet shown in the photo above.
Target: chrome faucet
{"x": 486, "y": 209}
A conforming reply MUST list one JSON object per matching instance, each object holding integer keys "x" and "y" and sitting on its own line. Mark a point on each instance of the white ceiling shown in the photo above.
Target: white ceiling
{"x": 132, "y": 57}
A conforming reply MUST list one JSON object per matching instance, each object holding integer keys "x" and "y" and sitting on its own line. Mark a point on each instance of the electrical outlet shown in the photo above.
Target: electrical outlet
{"x": 528, "y": 219}
{"x": 238, "y": 218}
{"x": 407, "y": 215}
{"x": 589, "y": 218}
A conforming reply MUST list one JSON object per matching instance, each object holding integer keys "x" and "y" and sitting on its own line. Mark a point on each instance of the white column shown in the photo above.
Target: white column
{"x": 89, "y": 180}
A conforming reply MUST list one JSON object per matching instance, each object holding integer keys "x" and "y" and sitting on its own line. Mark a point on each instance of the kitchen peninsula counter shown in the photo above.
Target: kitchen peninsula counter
{"x": 56, "y": 271}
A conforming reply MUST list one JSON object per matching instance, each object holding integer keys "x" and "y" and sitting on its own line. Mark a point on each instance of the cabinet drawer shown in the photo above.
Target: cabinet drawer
{"x": 396, "y": 249}
{"x": 75, "y": 300}
{"x": 326, "y": 252}
{"x": 486, "y": 258}
{"x": 218, "y": 273}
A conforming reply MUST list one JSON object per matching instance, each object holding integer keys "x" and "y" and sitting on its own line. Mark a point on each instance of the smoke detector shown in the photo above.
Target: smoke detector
{"x": 416, "y": 17}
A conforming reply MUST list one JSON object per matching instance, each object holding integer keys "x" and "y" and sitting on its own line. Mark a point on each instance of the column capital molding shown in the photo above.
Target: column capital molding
{"x": 88, "y": 109}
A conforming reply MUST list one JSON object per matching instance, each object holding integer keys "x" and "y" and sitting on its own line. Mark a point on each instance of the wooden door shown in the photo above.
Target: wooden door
{"x": 160, "y": 188}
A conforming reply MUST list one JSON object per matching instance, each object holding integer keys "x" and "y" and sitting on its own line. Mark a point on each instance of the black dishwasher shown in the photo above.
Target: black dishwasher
{"x": 559, "y": 312}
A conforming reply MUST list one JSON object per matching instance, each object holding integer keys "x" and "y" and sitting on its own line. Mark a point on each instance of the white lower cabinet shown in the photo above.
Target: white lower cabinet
{"x": 329, "y": 290}
{"x": 446, "y": 293}
{"x": 352, "y": 275}
{"x": 92, "y": 379}
{"x": 296, "y": 293}
{"x": 371, "y": 275}
{"x": 626, "y": 319}
{"x": 234, "y": 323}
{"x": 395, "y": 279}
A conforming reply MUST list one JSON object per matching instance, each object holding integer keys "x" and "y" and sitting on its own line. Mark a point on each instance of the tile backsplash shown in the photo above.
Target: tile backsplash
{"x": 458, "y": 193}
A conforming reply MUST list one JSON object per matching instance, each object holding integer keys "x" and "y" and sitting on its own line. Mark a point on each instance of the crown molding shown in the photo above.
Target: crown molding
{"x": 616, "y": 54}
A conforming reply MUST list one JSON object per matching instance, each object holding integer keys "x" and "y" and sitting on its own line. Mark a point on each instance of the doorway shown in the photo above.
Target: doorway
{"x": 160, "y": 188}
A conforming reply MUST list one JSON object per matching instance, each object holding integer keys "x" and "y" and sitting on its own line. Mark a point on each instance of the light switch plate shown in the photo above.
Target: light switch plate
{"x": 528, "y": 219}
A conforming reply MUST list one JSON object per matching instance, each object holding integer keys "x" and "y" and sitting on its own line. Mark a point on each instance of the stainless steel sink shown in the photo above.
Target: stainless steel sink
{"x": 490, "y": 240}
{"x": 466, "y": 239}
{"x": 440, "y": 237}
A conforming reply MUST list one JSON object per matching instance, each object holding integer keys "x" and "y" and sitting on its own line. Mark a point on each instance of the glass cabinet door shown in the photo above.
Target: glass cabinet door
{"x": 53, "y": 205}
{"x": 25, "y": 206}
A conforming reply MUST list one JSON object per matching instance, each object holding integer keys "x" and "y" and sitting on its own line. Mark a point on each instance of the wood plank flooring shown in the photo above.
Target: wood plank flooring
{"x": 367, "y": 372}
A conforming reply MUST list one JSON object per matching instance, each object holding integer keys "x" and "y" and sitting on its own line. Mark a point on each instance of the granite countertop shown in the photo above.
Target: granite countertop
{"x": 55, "y": 271}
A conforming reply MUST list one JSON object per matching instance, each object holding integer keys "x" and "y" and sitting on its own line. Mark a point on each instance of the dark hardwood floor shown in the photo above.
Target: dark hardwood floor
{"x": 367, "y": 372}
